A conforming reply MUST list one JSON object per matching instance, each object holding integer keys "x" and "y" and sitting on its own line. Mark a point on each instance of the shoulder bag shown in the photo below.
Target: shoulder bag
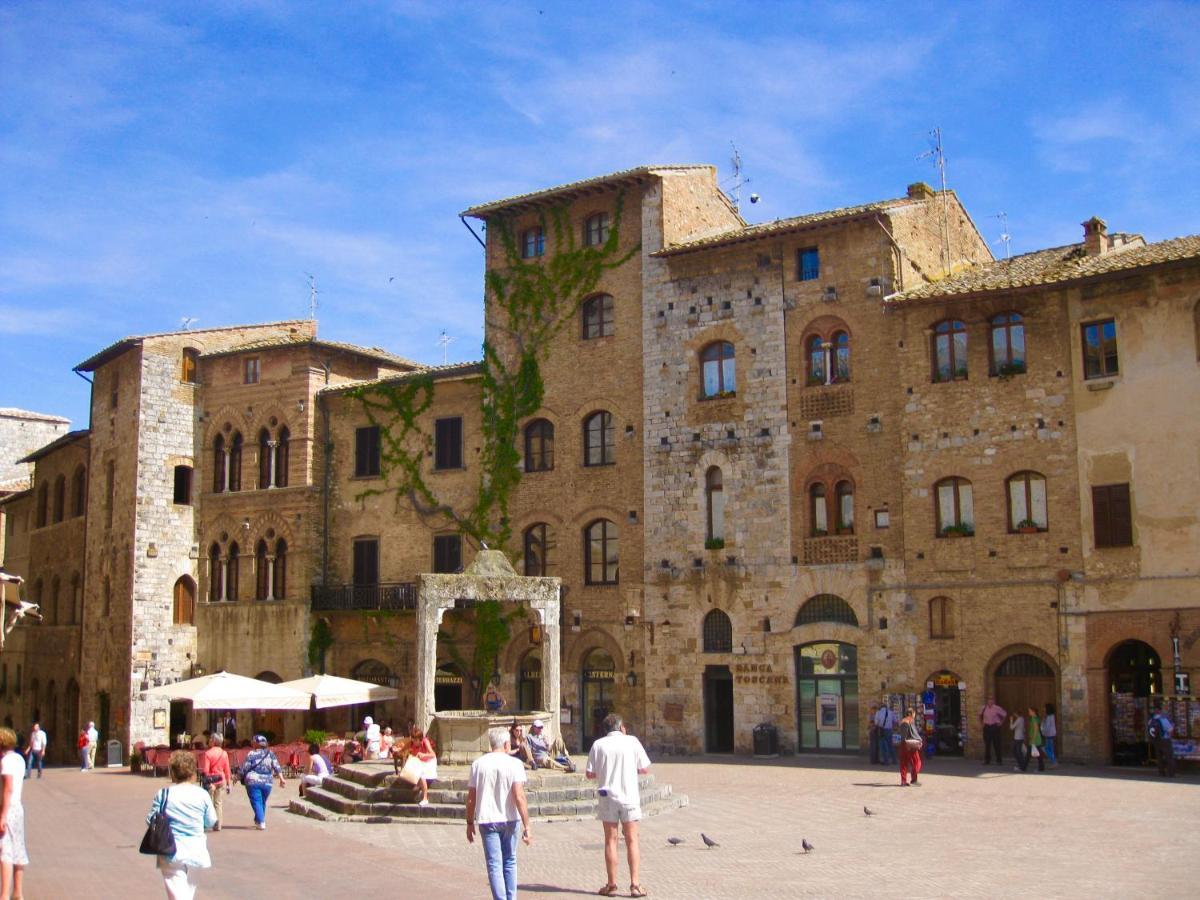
{"x": 159, "y": 839}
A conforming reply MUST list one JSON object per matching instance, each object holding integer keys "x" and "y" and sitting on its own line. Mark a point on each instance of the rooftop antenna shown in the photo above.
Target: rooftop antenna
{"x": 444, "y": 342}
{"x": 312, "y": 295}
{"x": 187, "y": 322}
{"x": 738, "y": 180}
{"x": 939, "y": 160}
{"x": 1005, "y": 237}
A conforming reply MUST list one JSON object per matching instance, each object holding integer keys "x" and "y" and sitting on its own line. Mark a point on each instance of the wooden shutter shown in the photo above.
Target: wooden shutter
{"x": 366, "y": 562}
{"x": 1112, "y": 517}
{"x": 448, "y": 441}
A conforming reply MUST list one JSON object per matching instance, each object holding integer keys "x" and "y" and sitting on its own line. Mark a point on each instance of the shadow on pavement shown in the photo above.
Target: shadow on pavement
{"x": 554, "y": 889}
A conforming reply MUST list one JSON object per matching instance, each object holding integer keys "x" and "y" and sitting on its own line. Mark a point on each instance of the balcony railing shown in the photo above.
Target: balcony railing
{"x": 389, "y": 595}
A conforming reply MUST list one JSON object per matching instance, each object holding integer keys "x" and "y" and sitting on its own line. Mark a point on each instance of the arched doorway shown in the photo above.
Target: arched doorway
{"x": 1134, "y": 678}
{"x": 269, "y": 722}
{"x": 948, "y": 728}
{"x": 827, "y": 696}
{"x": 529, "y": 682}
{"x": 596, "y": 688}
{"x": 718, "y": 709}
{"x": 374, "y": 672}
{"x": 448, "y": 688}
{"x": 1024, "y": 680}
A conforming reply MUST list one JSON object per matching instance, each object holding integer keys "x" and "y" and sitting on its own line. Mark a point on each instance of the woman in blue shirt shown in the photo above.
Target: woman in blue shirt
{"x": 190, "y": 811}
{"x": 258, "y": 772}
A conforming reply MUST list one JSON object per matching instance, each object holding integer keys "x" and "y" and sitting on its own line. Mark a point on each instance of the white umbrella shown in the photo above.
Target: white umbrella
{"x": 330, "y": 690}
{"x": 224, "y": 690}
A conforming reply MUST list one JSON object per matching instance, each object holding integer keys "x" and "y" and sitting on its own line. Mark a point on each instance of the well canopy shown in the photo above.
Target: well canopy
{"x": 330, "y": 690}
{"x": 224, "y": 690}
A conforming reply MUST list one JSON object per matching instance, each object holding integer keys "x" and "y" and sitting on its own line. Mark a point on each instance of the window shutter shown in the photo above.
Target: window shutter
{"x": 448, "y": 441}
{"x": 1120, "y": 516}
{"x": 1101, "y": 517}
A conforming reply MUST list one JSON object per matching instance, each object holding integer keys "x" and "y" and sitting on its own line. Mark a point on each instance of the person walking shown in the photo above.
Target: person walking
{"x": 218, "y": 777}
{"x": 372, "y": 737}
{"x": 258, "y": 773}
{"x": 1016, "y": 724}
{"x": 614, "y": 763}
{"x": 1160, "y": 728}
{"x": 992, "y": 717}
{"x": 885, "y": 722}
{"x": 495, "y": 802}
{"x": 82, "y": 744}
{"x": 1033, "y": 739}
{"x": 36, "y": 749}
{"x": 911, "y": 743}
{"x": 1049, "y": 733}
{"x": 93, "y": 737}
{"x": 13, "y": 858}
{"x": 189, "y": 810}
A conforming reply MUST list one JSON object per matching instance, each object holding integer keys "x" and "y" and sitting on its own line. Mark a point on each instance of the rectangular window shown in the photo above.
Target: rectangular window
{"x": 1112, "y": 519}
{"x": 187, "y": 373}
{"x": 183, "y": 485}
{"x": 447, "y": 441}
{"x": 251, "y": 371}
{"x": 366, "y": 561}
{"x": 447, "y": 553}
{"x": 1100, "y": 349}
{"x": 366, "y": 451}
{"x": 808, "y": 264}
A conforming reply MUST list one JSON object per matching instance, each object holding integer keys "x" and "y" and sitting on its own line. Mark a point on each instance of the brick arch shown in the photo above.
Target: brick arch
{"x": 824, "y": 326}
{"x": 216, "y": 425}
{"x": 998, "y": 658}
{"x": 585, "y": 517}
{"x": 595, "y": 404}
{"x": 723, "y": 330}
{"x": 518, "y": 646}
{"x": 259, "y": 526}
{"x": 224, "y": 523}
{"x": 592, "y": 639}
{"x": 262, "y": 419}
{"x": 1143, "y": 633}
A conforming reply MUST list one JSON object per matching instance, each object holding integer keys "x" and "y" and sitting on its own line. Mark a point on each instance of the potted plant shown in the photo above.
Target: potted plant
{"x": 845, "y": 528}
{"x": 715, "y": 543}
{"x": 815, "y": 380}
{"x": 1009, "y": 369}
{"x": 961, "y": 373}
{"x": 1027, "y": 526}
{"x": 959, "y": 530}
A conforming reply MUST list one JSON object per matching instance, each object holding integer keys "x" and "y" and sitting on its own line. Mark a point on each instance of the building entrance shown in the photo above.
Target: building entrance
{"x": 1134, "y": 680}
{"x": 1024, "y": 680}
{"x": 718, "y": 709}
{"x": 448, "y": 688}
{"x": 599, "y": 674}
{"x": 948, "y": 725}
{"x": 827, "y": 696}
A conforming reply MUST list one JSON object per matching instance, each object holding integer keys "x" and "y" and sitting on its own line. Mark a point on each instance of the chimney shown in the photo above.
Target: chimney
{"x": 919, "y": 190}
{"x": 1095, "y": 236}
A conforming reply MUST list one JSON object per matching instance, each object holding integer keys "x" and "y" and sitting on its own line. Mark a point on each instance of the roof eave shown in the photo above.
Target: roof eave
{"x": 737, "y": 238}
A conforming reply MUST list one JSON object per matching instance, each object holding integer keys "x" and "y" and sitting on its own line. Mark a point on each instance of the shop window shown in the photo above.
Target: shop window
{"x": 1007, "y": 348}
{"x": 949, "y": 351}
{"x": 448, "y": 443}
{"x": 808, "y": 264}
{"x": 1112, "y": 515}
{"x": 600, "y": 553}
{"x": 533, "y": 243}
{"x": 598, "y": 446}
{"x": 447, "y": 553}
{"x": 1026, "y": 501}
{"x": 366, "y": 451}
{"x": 599, "y": 318}
{"x": 539, "y": 446}
{"x": 714, "y": 502}
{"x": 79, "y": 491}
{"x": 941, "y": 617}
{"x": 538, "y": 545}
{"x": 718, "y": 376}
{"x": 1100, "y": 349}
{"x": 826, "y": 608}
{"x": 188, "y": 365}
{"x": 955, "y": 508}
{"x": 595, "y": 230}
{"x": 250, "y": 370}
{"x": 183, "y": 486}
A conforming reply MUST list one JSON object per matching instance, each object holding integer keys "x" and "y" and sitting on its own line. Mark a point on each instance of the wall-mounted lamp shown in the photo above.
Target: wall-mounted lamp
{"x": 631, "y": 679}
{"x": 300, "y": 406}
{"x": 535, "y": 634}
{"x": 665, "y": 626}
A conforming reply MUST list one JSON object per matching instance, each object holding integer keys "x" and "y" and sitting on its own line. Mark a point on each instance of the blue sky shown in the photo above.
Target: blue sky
{"x": 165, "y": 160}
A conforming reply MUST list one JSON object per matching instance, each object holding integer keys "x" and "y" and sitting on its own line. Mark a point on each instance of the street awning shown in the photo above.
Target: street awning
{"x": 330, "y": 690}
{"x": 224, "y": 690}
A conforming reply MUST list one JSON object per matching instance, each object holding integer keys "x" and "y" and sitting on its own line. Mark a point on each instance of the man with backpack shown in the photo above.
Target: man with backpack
{"x": 1160, "y": 728}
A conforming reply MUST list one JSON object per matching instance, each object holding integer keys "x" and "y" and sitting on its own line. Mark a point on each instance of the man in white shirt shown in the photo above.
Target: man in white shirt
{"x": 93, "y": 737}
{"x": 885, "y": 722}
{"x": 372, "y": 737}
{"x": 37, "y": 749}
{"x": 615, "y": 762}
{"x": 495, "y": 800}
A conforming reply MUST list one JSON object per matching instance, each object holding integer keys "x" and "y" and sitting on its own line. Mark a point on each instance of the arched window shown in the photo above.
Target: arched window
{"x": 598, "y": 446}
{"x": 718, "y": 632}
{"x": 818, "y": 510}
{"x": 231, "y": 573}
{"x": 600, "y": 552}
{"x": 60, "y": 498}
{"x": 841, "y": 356}
{"x": 539, "y": 446}
{"x": 814, "y": 350}
{"x": 718, "y": 377}
{"x": 235, "y": 462}
{"x": 595, "y": 230}
{"x": 282, "y": 447}
{"x": 1007, "y": 347}
{"x": 599, "y": 319}
{"x": 279, "y": 571}
{"x": 537, "y": 549}
{"x": 826, "y": 608}
{"x": 188, "y": 364}
{"x": 1027, "y": 501}
{"x": 184, "y": 604}
{"x": 533, "y": 242}
{"x": 43, "y": 505}
{"x": 262, "y": 572}
{"x": 955, "y": 510}
{"x": 941, "y": 617}
{"x": 216, "y": 575}
{"x": 264, "y": 458}
{"x": 79, "y": 492}
{"x": 949, "y": 350}
{"x": 844, "y": 495}
{"x": 220, "y": 467}
{"x": 714, "y": 502}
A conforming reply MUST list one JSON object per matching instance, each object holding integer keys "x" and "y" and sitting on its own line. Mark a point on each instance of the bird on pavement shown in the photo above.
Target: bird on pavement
{"x": 674, "y": 841}
{"x": 808, "y": 848}
{"x": 708, "y": 842}
{"x": 867, "y": 810}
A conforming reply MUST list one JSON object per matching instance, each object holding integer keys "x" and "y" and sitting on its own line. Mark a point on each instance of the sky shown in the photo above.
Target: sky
{"x": 168, "y": 160}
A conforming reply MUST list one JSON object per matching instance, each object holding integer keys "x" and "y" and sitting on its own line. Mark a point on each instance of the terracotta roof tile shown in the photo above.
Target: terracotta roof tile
{"x": 284, "y": 341}
{"x": 482, "y": 210}
{"x": 438, "y": 372}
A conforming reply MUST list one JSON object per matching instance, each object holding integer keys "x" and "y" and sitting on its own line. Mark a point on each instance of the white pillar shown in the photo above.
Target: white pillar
{"x": 270, "y": 578}
{"x": 225, "y": 574}
{"x": 225, "y": 478}
{"x": 827, "y": 349}
{"x": 271, "y": 445}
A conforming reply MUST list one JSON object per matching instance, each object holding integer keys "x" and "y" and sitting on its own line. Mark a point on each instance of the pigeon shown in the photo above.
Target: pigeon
{"x": 674, "y": 841}
{"x": 867, "y": 810}
{"x": 808, "y": 848}
{"x": 708, "y": 842}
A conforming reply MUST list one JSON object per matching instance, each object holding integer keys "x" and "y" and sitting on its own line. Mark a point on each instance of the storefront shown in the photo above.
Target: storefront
{"x": 946, "y": 708}
{"x": 1134, "y": 684}
{"x": 718, "y": 709}
{"x": 827, "y": 696}
{"x": 597, "y": 680}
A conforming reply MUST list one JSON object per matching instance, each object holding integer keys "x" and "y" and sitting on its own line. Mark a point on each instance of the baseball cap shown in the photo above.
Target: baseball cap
{"x": 260, "y": 739}
{"x": 537, "y": 723}
{"x": 367, "y": 720}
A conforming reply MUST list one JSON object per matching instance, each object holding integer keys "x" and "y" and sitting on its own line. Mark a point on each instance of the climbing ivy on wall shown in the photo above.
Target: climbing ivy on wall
{"x": 528, "y": 302}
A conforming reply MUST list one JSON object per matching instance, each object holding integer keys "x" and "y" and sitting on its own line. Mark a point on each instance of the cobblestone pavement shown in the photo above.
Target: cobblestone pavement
{"x": 969, "y": 831}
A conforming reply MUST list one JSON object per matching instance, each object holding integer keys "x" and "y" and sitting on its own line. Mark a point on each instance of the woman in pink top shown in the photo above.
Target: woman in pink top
{"x": 216, "y": 775}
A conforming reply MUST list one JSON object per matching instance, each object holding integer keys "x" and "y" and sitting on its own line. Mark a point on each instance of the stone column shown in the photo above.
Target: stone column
{"x": 225, "y": 473}
{"x": 551, "y": 662}
{"x": 271, "y": 445}
{"x": 270, "y": 578}
{"x": 429, "y": 616}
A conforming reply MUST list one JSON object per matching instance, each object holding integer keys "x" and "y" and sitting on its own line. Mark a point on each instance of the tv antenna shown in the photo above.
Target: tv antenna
{"x": 312, "y": 295}
{"x": 737, "y": 179}
{"x": 444, "y": 342}
{"x": 1005, "y": 237}
{"x": 938, "y": 156}
{"x": 187, "y": 322}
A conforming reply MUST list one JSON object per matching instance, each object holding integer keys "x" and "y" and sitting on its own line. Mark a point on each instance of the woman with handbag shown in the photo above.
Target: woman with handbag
{"x": 258, "y": 773}
{"x": 911, "y": 743}
{"x": 215, "y": 774}
{"x": 188, "y": 811}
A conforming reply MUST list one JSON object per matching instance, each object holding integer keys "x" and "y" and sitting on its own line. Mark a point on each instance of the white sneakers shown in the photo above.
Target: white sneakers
{"x": 422, "y": 803}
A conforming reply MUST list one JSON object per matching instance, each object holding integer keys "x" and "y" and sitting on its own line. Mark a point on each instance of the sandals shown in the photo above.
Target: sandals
{"x": 635, "y": 890}
{"x": 609, "y": 890}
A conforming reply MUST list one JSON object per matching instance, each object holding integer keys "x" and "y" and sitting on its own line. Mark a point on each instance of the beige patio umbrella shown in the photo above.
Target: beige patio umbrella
{"x": 330, "y": 690}
{"x": 224, "y": 690}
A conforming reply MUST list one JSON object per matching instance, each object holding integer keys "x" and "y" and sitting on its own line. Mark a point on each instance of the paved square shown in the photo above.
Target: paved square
{"x": 970, "y": 831}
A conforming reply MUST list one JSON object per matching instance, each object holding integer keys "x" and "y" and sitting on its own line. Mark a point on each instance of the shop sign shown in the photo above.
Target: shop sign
{"x": 1183, "y": 684}
{"x": 757, "y": 673}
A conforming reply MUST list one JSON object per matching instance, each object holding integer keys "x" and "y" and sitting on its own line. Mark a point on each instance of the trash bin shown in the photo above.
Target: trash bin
{"x": 116, "y": 757}
{"x": 766, "y": 741}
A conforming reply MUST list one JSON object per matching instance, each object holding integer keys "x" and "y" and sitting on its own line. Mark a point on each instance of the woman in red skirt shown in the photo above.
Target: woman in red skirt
{"x": 911, "y": 743}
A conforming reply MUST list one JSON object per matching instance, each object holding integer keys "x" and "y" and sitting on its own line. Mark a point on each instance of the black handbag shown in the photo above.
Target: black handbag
{"x": 159, "y": 839}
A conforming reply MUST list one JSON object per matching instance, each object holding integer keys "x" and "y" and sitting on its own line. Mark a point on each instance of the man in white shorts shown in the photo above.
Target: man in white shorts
{"x": 615, "y": 762}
